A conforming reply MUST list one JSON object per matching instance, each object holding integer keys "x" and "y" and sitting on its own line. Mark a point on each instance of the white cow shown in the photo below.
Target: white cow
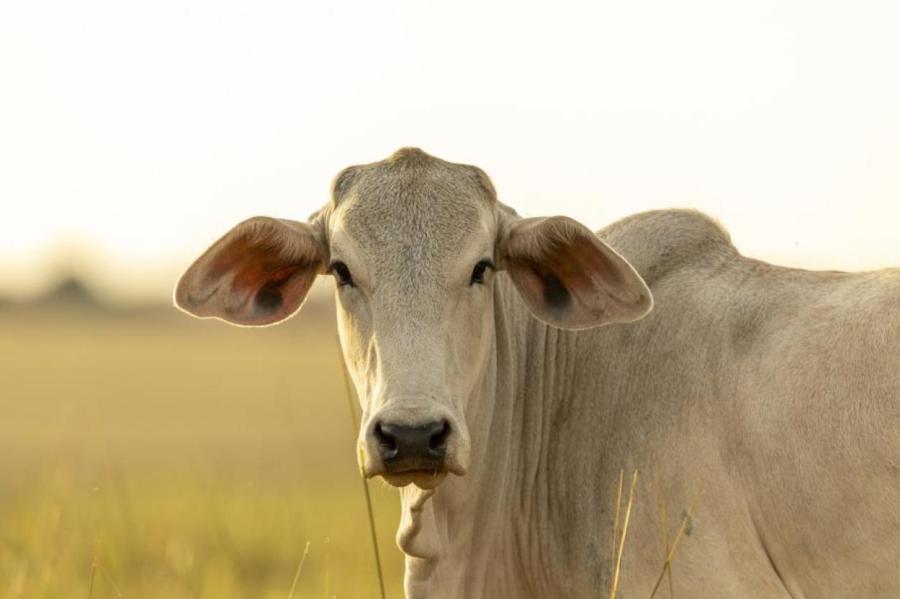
{"x": 472, "y": 336}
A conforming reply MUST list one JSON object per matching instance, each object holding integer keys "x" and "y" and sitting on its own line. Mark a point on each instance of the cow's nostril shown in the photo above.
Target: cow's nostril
{"x": 387, "y": 442}
{"x": 437, "y": 443}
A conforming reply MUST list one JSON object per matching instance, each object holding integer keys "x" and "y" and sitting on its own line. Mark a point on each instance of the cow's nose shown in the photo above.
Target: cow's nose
{"x": 418, "y": 447}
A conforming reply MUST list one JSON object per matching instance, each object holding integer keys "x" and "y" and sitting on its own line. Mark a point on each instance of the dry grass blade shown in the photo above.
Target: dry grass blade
{"x": 354, "y": 427}
{"x": 615, "y": 581}
{"x": 667, "y": 566}
{"x": 615, "y": 528}
{"x": 110, "y": 581}
{"x": 664, "y": 526}
{"x": 95, "y": 563}
{"x": 297, "y": 574}
{"x": 93, "y": 577}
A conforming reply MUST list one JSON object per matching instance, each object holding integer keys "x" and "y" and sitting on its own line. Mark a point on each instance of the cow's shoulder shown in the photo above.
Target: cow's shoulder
{"x": 659, "y": 242}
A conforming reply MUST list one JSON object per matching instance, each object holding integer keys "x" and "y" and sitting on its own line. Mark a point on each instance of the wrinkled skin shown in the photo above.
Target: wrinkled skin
{"x": 776, "y": 388}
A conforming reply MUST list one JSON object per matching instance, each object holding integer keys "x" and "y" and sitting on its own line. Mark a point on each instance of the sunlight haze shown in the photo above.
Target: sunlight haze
{"x": 133, "y": 135}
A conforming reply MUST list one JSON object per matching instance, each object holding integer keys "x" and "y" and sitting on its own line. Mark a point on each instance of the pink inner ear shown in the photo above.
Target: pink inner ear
{"x": 569, "y": 277}
{"x": 563, "y": 271}
{"x": 271, "y": 295}
{"x": 584, "y": 265}
{"x": 543, "y": 282}
{"x": 564, "y": 254}
{"x": 263, "y": 287}
{"x": 257, "y": 274}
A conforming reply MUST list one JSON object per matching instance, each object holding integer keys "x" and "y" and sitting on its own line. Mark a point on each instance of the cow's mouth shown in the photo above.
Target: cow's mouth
{"x": 424, "y": 479}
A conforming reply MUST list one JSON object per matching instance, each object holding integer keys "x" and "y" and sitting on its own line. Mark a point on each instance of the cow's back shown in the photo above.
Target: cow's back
{"x": 780, "y": 389}
{"x": 818, "y": 429}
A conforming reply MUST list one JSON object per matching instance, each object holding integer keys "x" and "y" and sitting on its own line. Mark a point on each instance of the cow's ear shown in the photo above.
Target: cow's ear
{"x": 257, "y": 274}
{"x": 568, "y": 277}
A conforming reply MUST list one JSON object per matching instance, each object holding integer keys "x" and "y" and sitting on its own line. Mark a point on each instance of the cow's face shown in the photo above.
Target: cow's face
{"x": 412, "y": 248}
{"x": 414, "y": 244}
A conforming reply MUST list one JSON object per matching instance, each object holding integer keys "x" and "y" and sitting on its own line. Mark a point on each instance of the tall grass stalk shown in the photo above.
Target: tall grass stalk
{"x": 664, "y": 527}
{"x": 667, "y": 566}
{"x": 93, "y": 577}
{"x": 299, "y": 569}
{"x": 615, "y": 528}
{"x": 110, "y": 581}
{"x": 354, "y": 426}
{"x": 615, "y": 580}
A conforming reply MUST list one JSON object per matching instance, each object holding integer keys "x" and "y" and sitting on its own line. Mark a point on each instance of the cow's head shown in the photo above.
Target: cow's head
{"x": 415, "y": 245}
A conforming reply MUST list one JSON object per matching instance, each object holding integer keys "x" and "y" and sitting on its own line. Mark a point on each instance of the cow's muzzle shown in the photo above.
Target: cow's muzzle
{"x": 410, "y": 447}
{"x": 404, "y": 448}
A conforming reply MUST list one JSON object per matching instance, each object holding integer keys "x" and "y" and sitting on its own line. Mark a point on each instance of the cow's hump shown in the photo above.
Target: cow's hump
{"x": 661, "y": 241}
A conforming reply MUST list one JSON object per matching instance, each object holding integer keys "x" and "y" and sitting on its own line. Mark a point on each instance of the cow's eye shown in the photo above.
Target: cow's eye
{"x": 479, "y": 270}
{"x": 342, "y": 273}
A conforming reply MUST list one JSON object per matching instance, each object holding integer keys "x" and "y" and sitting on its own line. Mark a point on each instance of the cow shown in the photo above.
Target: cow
{"x": 512, "y": 371}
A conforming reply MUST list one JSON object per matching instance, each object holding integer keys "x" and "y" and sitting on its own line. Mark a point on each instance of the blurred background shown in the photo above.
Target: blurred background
{"x": 159, "y": 456}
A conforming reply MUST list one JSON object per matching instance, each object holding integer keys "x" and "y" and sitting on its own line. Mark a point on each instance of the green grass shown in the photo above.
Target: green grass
{"x": 184, "y": 458}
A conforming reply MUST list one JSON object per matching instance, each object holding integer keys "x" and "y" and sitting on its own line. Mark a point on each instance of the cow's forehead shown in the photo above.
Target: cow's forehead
{"x": 413, "y": 206}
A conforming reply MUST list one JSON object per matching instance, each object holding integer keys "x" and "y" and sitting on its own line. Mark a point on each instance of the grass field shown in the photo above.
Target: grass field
{"x": 183, "y": 458}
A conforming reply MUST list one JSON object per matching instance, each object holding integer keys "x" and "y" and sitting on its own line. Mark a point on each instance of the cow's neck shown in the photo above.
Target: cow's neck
{"x": 481, "y": 524}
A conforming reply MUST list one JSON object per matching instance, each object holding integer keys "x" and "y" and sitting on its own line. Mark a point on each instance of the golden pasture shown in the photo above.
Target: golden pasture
{"x": 184, "y": 458}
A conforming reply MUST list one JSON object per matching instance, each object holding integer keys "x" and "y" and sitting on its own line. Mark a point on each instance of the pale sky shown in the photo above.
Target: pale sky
{"x": 134, "y": 134}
